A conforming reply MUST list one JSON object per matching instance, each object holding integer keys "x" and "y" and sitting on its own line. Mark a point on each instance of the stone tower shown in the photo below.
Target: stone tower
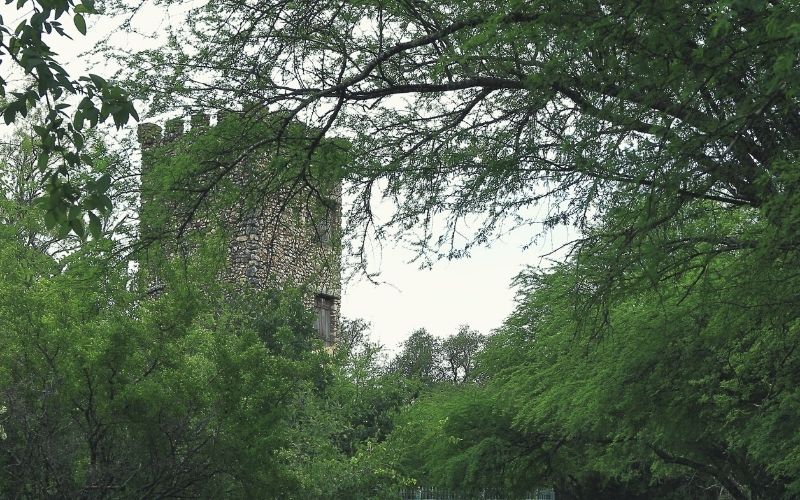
{"x": 276, "y": 243}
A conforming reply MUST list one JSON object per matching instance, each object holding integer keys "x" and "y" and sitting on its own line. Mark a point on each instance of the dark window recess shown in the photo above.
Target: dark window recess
{"x": 324, "y": 308}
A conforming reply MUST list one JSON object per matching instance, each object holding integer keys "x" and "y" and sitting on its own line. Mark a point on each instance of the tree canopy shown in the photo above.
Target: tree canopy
{"x": 657, "y": 359}
{"x": 465, "y": 113}
{"x": 684, "y": 387}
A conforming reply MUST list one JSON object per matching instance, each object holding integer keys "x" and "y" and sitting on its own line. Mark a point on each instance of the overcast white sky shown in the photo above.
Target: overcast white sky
{"x": 474, "y": 291}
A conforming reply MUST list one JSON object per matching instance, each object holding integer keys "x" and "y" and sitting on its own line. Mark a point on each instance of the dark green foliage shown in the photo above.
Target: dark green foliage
{"x": 427, "y": 360}
{"x": 23, "y": 196}
{"x": 459, "y": 353}
{"x": 204, "y": 175}
{"x": 61, "y": 133}
{"x": 465, "y": 113}
{"x": 680, "y": 384}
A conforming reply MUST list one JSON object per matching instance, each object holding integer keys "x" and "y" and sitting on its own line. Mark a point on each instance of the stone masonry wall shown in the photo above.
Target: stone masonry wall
{"x": 278, "y": 243}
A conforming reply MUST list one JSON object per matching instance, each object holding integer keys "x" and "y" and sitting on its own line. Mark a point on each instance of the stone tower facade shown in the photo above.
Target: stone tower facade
{"x": 276, "y": 243}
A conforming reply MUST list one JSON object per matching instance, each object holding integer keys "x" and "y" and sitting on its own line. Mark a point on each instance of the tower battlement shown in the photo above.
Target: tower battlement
{"x": 285, "y": 237}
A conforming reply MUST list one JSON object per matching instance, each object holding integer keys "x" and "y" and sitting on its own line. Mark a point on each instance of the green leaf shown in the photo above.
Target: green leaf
{"x": 77, "y": 121}
{"x": 41, "y": 161}
{"x": 95, "y": 226}
{"x": 49, "y": 220}
{"x": 74, "y": 212}
{"x": 77, "y": 227}
{"x": 85, "y": 103}
{"x": 42, "y": 131}
{"x": 98, "y": 81}
{"x": 132, "y": 111}
{"x": 103, "y": 183}
{"x": 80, "y": 23}
{"x": 62, "y": 230}
{"x": 107, "y": 204}
{"x": 8, "y": 114}
{"x": 77, "y": 139}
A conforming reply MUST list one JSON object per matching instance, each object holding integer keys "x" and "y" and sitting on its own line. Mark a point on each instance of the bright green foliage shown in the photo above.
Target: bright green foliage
{"x": 111, "y": 387}
{"x": 463, "y": 441}
{"x": 113, "y": 394}
{"x": 110, "y": 391}
{"x": 369, "y": 393}
{"x": 339, "y": 449}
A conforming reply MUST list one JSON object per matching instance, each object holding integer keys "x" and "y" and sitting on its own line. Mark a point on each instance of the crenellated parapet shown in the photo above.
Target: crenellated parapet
{"x": 151, "y": 135}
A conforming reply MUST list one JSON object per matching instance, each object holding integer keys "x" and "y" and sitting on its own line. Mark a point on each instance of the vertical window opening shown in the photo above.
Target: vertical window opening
{"x": 324, "y": 307}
